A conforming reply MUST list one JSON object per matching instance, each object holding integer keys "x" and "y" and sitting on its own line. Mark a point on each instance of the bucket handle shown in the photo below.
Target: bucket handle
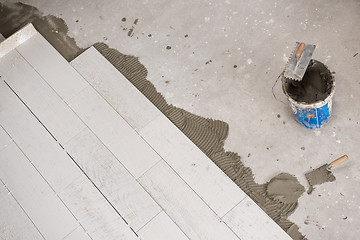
{"x": 275, "y": 85}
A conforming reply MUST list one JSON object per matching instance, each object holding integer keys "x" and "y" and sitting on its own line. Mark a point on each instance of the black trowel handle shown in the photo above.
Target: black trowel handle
{"x": 339, "y": 160}
{"x": 299, "y": 50}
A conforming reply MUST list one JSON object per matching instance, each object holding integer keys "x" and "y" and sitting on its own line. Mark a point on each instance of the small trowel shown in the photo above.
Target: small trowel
{"x": 323, "y": 173}
{"x": 299, "y": 61}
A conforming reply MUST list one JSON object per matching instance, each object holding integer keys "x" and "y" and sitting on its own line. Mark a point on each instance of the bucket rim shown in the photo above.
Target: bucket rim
{"x": 316, "y": 104}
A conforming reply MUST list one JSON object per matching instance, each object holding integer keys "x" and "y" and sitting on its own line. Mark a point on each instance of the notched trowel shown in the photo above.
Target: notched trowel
{"x": 299, "y": 61}
{"x": 323, "y": 174}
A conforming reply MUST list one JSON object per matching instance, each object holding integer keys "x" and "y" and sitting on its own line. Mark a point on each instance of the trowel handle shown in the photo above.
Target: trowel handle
{"x": 299, "y": 50}
{"x": 339, "y": 160}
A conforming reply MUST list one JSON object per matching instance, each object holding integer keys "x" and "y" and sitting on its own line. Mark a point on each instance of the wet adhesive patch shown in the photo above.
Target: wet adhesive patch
{"x": 285, "y": 188}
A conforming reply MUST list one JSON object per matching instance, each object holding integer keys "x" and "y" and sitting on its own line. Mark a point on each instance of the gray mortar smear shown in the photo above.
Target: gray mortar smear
{"x": 285, "y": 188}
{"x": 14, "y": 16}
{"x": 319, "y": 176}
{"x": 207, "y": 134}
{"x": 316, "y": 84}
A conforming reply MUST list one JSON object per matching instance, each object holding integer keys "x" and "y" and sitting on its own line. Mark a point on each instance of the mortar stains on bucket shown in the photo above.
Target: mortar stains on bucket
{"x": 311, "y": 98}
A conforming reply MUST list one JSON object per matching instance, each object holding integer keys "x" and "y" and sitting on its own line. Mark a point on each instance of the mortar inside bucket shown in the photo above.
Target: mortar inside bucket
{"x": 311, "y": 98}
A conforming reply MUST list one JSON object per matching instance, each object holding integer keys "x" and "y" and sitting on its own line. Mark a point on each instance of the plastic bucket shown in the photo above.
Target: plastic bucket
{"x": 311, "y": 114}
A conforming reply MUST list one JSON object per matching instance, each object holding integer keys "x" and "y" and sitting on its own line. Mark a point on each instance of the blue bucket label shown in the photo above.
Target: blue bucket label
{"x": 313, "y": 118}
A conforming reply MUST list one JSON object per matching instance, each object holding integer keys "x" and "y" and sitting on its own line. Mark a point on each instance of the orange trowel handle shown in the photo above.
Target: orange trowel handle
{"x": 299, "y": 50}
{"x": 339, "y": 160}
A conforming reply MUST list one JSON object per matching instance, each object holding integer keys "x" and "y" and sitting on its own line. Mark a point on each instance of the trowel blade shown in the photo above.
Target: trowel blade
{"x": 296, "y": 67}
{"x": 320, "y": 175}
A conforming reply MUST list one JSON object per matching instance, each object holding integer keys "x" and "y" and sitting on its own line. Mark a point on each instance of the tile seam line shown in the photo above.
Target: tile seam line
{"x": 191, "y": 190}
{"x": 31, "y": 163}
{"x": 62, "y": 99}
{"x": 136, "y": 179}
{"x": 162, "y": 158}
{"x": 162, "y": 210}
{"x": 9, "y": 192}
{"x": 87, "y": 127}
{"x": 30, "y": 111}
{"x": 159, "y": 203}
{"x": 34, "y": 68}
{"x": 107, "y": 200}
{"x": 136, "y": 130}
{"x": 235, "y": 206}
{"x": 75, "y": 230}
{"x": 269, "y": 218}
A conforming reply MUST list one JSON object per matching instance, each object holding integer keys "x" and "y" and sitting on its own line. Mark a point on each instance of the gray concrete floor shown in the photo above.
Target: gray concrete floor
{"x": 220, "y": 59}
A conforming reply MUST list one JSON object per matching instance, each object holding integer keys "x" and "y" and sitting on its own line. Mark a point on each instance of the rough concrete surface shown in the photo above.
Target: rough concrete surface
{"x": 220, "y": 59}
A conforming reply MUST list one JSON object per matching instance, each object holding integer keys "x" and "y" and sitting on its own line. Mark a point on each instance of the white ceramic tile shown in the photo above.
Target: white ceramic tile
{"x": 133, "y": 203}
{"x": 34, "y": 195}
{"x": 249, "y": 221}
{"x": 183, "y": 205}
{"x": 52, "y": 67}
{"x": 42, "y": 150}
{"x": 129, "y": 102}
{"x": 161, "y": 227}
{"x": 93, "y": 212}
{"x": 4, "y": 138}
{"x": 48, "y": 107}
{"x": 202, "y": 175}
{"x": 78, "y": 234}
{"x": 117, "y": 135}
{"x": 7, "y": 97}
{"x": 14, "y": 223}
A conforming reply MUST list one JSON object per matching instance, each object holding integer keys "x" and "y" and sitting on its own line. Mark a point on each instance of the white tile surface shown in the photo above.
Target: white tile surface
{"x": 121, "y": 139}
{"x": 6, "y": 95}
{"x": 35, "y": 196}
{"x": 78, "y": 234}
{"x": 52, "y": 67}
{"x": 133, "y": 203}
{"x": 4, "y": 138}
{"x": 183, "y": 205}
{"x": 39, "y": 97}
{"x": 42, "y": 150}
{"x": 202, "y": 175}
{"x": 161, "y": 227}
{"x": 249, "y": 221}
{"x": 131, "y": 104}
{"x": 14, "y": 223}
{"x": 94, "y": 213}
